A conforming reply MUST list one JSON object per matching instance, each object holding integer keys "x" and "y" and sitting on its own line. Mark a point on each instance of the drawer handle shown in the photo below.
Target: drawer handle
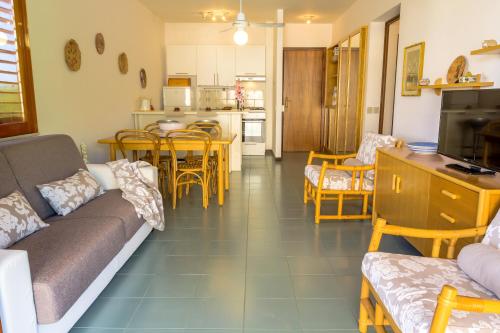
{"x": 450, "y": 195}
{"x": 398, "y": 184}
{"x": 394, "y": 177}
{"x": 448, "y": 218}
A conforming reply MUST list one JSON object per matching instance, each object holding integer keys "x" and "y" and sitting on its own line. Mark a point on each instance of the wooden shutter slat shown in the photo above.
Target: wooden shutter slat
{"x": 8, "y": 52}
{"x": 11, "y": 83}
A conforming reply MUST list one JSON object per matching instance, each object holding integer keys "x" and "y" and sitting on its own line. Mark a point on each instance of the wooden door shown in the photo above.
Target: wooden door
{"x": 303, "y": 86}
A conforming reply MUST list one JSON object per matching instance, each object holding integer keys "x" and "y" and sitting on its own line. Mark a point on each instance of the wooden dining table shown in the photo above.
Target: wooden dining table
{"x": 220, "y": 144}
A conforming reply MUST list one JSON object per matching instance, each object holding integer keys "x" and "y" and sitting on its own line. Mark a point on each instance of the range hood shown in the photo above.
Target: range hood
{"x": 251, "y": 78}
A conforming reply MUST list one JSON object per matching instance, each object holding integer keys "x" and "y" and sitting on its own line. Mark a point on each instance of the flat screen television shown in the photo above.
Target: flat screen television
{"x": 469, "y": 128}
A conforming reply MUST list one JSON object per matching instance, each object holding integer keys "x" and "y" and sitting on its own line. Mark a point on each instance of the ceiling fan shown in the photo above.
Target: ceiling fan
{"x": 241, "y": 24}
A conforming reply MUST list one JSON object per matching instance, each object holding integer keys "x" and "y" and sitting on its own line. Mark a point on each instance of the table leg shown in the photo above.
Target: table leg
{"x": 226, "y": 166}
{"x": 112, "y": 152}
{"x": 220, "y": 171}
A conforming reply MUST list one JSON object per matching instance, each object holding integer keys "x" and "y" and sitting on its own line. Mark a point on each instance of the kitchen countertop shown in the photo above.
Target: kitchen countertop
{"x": 189, "y": 113}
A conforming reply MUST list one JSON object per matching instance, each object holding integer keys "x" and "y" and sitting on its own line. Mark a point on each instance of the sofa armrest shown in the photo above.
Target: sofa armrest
{"x": 438, "y": 236}
{"x": 106, "y": 177}
{"x": 335, "y": 158}
{"x": 17, "y": 307}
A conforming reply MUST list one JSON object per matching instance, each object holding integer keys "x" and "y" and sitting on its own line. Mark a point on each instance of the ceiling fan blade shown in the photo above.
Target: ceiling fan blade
{"x": 226, "y": 30}
{"x": 267, "y": 25}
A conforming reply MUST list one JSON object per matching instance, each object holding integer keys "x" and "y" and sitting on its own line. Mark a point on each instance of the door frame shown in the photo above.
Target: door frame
{"x": 323, "y": 87}
{"x": 384, "y": 73}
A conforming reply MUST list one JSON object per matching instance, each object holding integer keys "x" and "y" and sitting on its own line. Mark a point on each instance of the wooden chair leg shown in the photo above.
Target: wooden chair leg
{"x": 365, "y": 204}
{"x": 174, "y": 192}
{"x": 363, "y": 313}
{"x": 317, "y": 211}
{"x": 305, "y": 191}
{"x": 379, "y": 315}
{"x": 340, "y": 205}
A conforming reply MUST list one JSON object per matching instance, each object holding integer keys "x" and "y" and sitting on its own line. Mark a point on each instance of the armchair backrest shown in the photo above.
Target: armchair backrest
{"x": 370, "y": 143}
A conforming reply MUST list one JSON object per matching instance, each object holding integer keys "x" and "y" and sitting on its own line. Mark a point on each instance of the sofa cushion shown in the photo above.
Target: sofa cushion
{"x": 335, "y": 179}
{"x": 409, "y": 286}
{"x": 8, "y": 182}
{"x": 66, "y": 258}
{"x": 41, "y": 160}
{"x": 110, "y": 204}
{"x": 67, "y": 195}
{"x": 17, "y": 219}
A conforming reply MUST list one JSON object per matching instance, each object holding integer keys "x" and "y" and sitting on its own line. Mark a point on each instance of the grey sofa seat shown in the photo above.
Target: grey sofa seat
{"x": 110, "y": 204}
{"x": 66, "y": 258}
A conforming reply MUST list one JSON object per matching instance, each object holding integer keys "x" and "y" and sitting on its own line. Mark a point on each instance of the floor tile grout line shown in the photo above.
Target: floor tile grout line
{"x": 243, "y": 319}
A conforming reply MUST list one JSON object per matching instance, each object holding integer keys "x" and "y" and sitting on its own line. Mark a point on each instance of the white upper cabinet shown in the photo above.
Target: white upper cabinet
{"x": 206, "y": 65}
{"x": 226, "y": 66}
{"x": 250, "y": 60}
{"x": 181, "y": 60}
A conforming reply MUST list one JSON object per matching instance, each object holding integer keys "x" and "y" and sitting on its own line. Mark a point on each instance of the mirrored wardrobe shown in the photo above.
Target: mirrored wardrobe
{"x": 344, "y": 97}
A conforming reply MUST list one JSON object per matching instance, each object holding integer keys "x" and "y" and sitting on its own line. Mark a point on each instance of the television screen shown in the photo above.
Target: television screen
{"x": 469, "y": 129}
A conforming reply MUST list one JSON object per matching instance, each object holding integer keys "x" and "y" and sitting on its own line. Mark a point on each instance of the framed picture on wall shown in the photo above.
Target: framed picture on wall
{"x": 413, "y": 66}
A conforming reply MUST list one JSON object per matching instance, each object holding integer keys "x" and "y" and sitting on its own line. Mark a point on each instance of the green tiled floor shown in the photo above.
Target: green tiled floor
{"x": 259, "y": 264}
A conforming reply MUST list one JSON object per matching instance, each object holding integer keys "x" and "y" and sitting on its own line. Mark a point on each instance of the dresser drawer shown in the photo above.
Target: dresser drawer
{"x": 451, "y": 205}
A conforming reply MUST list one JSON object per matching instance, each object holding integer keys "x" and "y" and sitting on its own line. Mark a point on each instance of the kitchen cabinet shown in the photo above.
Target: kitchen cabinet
{"x": 226, "y": 65}
{"x": 215, "y": 65}
{"x": 251, "y": 60}
{"x": 206, "y": 65}
{"x": 181, "y": 60}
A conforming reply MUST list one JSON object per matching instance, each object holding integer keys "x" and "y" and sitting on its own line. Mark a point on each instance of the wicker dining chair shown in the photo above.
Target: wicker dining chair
{"x": 215, "y": 130}
{"x": 165, "y": 159}
{"x": 192, "y": 170}
{"x": 151, "y": 156}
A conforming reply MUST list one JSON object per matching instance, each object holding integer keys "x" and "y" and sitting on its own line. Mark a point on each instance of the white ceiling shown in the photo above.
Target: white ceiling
{"x": 325, "y": 11}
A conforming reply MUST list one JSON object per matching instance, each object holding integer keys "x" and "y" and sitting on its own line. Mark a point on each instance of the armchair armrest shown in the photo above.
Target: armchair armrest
{"x": 335, "y": 158}
{"x": 381, "y": 228}
{"x": 449, "y": 300}
{"x": 106, "y": 177}
{"x": 17, "y": 307}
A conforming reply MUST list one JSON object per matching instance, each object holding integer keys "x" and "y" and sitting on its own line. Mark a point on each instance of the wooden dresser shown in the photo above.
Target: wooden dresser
{"x": 419, "y": 191}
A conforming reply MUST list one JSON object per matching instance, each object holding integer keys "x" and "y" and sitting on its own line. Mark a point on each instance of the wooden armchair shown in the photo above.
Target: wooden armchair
{"x": 344, "y": 177}
{"x": 415, "y": 294}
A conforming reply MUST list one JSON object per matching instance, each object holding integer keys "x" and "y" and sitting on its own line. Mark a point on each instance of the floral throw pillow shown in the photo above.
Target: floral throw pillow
{"x": 17, "y": 219}
{"x": 66, "y": 195}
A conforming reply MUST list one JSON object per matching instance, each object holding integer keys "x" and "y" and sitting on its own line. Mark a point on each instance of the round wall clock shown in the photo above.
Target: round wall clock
{"x": 100, "y": 45}
{"x": 456, "y": 69}
{"x": 143, "y": 77}
{"x": 72, "y": 55}
{"x": 123, "y": 63}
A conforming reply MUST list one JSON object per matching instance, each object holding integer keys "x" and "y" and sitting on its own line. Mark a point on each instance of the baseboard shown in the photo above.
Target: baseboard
{"x": 271, "y": 152}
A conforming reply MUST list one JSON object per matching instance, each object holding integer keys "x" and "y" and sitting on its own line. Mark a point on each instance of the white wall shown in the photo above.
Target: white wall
{"x": 438, "y": 24}
{"x": 307, "y": 35}
{"x": 417, "y": 118}
{"x": 96, "y": 101}
{"x": 208, "y": 34}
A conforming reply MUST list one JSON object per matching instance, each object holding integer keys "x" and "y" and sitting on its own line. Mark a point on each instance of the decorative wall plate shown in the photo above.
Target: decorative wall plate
{"x": 72, "y": 55}
{"x": 100, "y": 45}
{"x": 456, "y": 69}
{"x": 123, "y": 63}
{"x": 143, "y": 77}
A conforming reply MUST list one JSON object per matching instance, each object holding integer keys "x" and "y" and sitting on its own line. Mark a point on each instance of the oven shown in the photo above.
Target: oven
{"x": 254, "y": 133}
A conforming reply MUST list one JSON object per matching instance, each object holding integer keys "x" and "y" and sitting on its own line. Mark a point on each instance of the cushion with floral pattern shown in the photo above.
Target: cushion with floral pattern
{"x": 17, "y": 219}
{"x": 67, "y": 195}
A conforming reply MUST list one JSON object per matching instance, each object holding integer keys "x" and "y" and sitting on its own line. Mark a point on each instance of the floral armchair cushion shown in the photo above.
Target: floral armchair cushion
{"x": 409, "y": 287}
{"x": 336, "y": 179}
{"x": 368, "y": 149}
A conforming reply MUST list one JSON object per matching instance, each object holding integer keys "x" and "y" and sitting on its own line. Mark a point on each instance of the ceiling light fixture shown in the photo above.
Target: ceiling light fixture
{"x": 240, "y": 36}
{"x": 215, "y": 15}
{"x": 309, "y": 19}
